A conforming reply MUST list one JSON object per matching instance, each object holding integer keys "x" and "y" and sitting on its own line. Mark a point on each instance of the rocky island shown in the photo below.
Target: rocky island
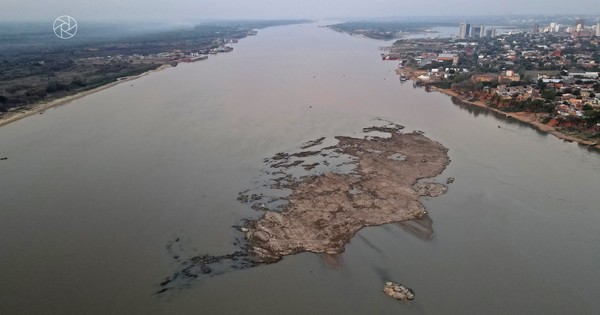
{"x": 398, "y": 291}
{"x": 381, "y": 184}
{"x": 326, "y": 210}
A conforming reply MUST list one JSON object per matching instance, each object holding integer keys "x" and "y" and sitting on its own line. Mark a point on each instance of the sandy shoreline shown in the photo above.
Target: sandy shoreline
{"x": 29, "y": 110}
{"x": 526, "y": 118}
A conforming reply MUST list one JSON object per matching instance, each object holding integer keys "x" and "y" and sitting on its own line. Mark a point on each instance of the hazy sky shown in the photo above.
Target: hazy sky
{"x": 194, "y": 10}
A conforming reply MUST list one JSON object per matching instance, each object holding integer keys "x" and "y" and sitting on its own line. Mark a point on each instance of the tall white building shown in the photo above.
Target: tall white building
{"x": 598, "y": 29}
{"x": 463, "y": 30}
{"x": 579, "y": 25}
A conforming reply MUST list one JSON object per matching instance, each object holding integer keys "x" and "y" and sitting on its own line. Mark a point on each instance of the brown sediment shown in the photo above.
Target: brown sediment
{"x": 325, "y": 211}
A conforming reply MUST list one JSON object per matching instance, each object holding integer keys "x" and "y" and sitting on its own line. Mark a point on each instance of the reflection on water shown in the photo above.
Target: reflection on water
{"x": 192, "y": 266}
{"x": 506, "y": 118}
{"x": 370, "y": 244}
{"x": 332, "y": 261}
{"x": 472, "y": 109}
{"x": 421, "y": 228}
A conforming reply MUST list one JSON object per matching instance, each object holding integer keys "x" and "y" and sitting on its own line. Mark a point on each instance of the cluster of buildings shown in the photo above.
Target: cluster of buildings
{"x": 172, "y": 57}
{"x": 574, "y": 91}
{"x": 567, "y": 66}
{"x": 577, "y": 30}
{"x": 466, "y": 30}
{"x": 555, "y": 70}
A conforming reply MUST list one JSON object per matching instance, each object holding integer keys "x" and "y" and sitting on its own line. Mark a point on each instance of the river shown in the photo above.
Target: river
{"x": 93, "y": 191}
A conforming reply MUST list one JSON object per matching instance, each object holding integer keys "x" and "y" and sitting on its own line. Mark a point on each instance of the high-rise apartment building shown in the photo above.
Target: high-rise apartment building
{"x": 463, "y": 30}
{"x": 475, "y": 31}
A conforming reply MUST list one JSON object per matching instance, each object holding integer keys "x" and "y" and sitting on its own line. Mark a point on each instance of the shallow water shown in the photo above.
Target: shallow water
{"x": 94, "y": 191}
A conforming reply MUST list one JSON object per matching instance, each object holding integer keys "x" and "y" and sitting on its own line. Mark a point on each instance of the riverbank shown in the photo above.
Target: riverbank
{"x": 527, "y": 118}
{"x": 9, "y": 117}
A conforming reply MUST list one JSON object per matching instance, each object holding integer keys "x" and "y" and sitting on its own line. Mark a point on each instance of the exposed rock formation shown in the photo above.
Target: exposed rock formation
{"x": 341, "y": 189}
{"x": 325, "y": 211}
{"x": 398, "y": 291}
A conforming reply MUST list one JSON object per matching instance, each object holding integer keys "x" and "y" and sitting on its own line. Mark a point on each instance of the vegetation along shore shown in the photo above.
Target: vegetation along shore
{"x": 38, "y": 71}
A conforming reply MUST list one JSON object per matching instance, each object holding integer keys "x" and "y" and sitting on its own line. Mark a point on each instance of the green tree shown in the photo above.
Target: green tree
{"x": 592, "y": 117}
{"x": 548, "y": 95}
{"x": 77, "y": 82}
{"x": 542, "y": 85}
{"x": 458, "y": 78}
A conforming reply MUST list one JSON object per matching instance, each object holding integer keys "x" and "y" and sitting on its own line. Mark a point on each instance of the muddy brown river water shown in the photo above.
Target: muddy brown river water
{"x": 98, "y": 196}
